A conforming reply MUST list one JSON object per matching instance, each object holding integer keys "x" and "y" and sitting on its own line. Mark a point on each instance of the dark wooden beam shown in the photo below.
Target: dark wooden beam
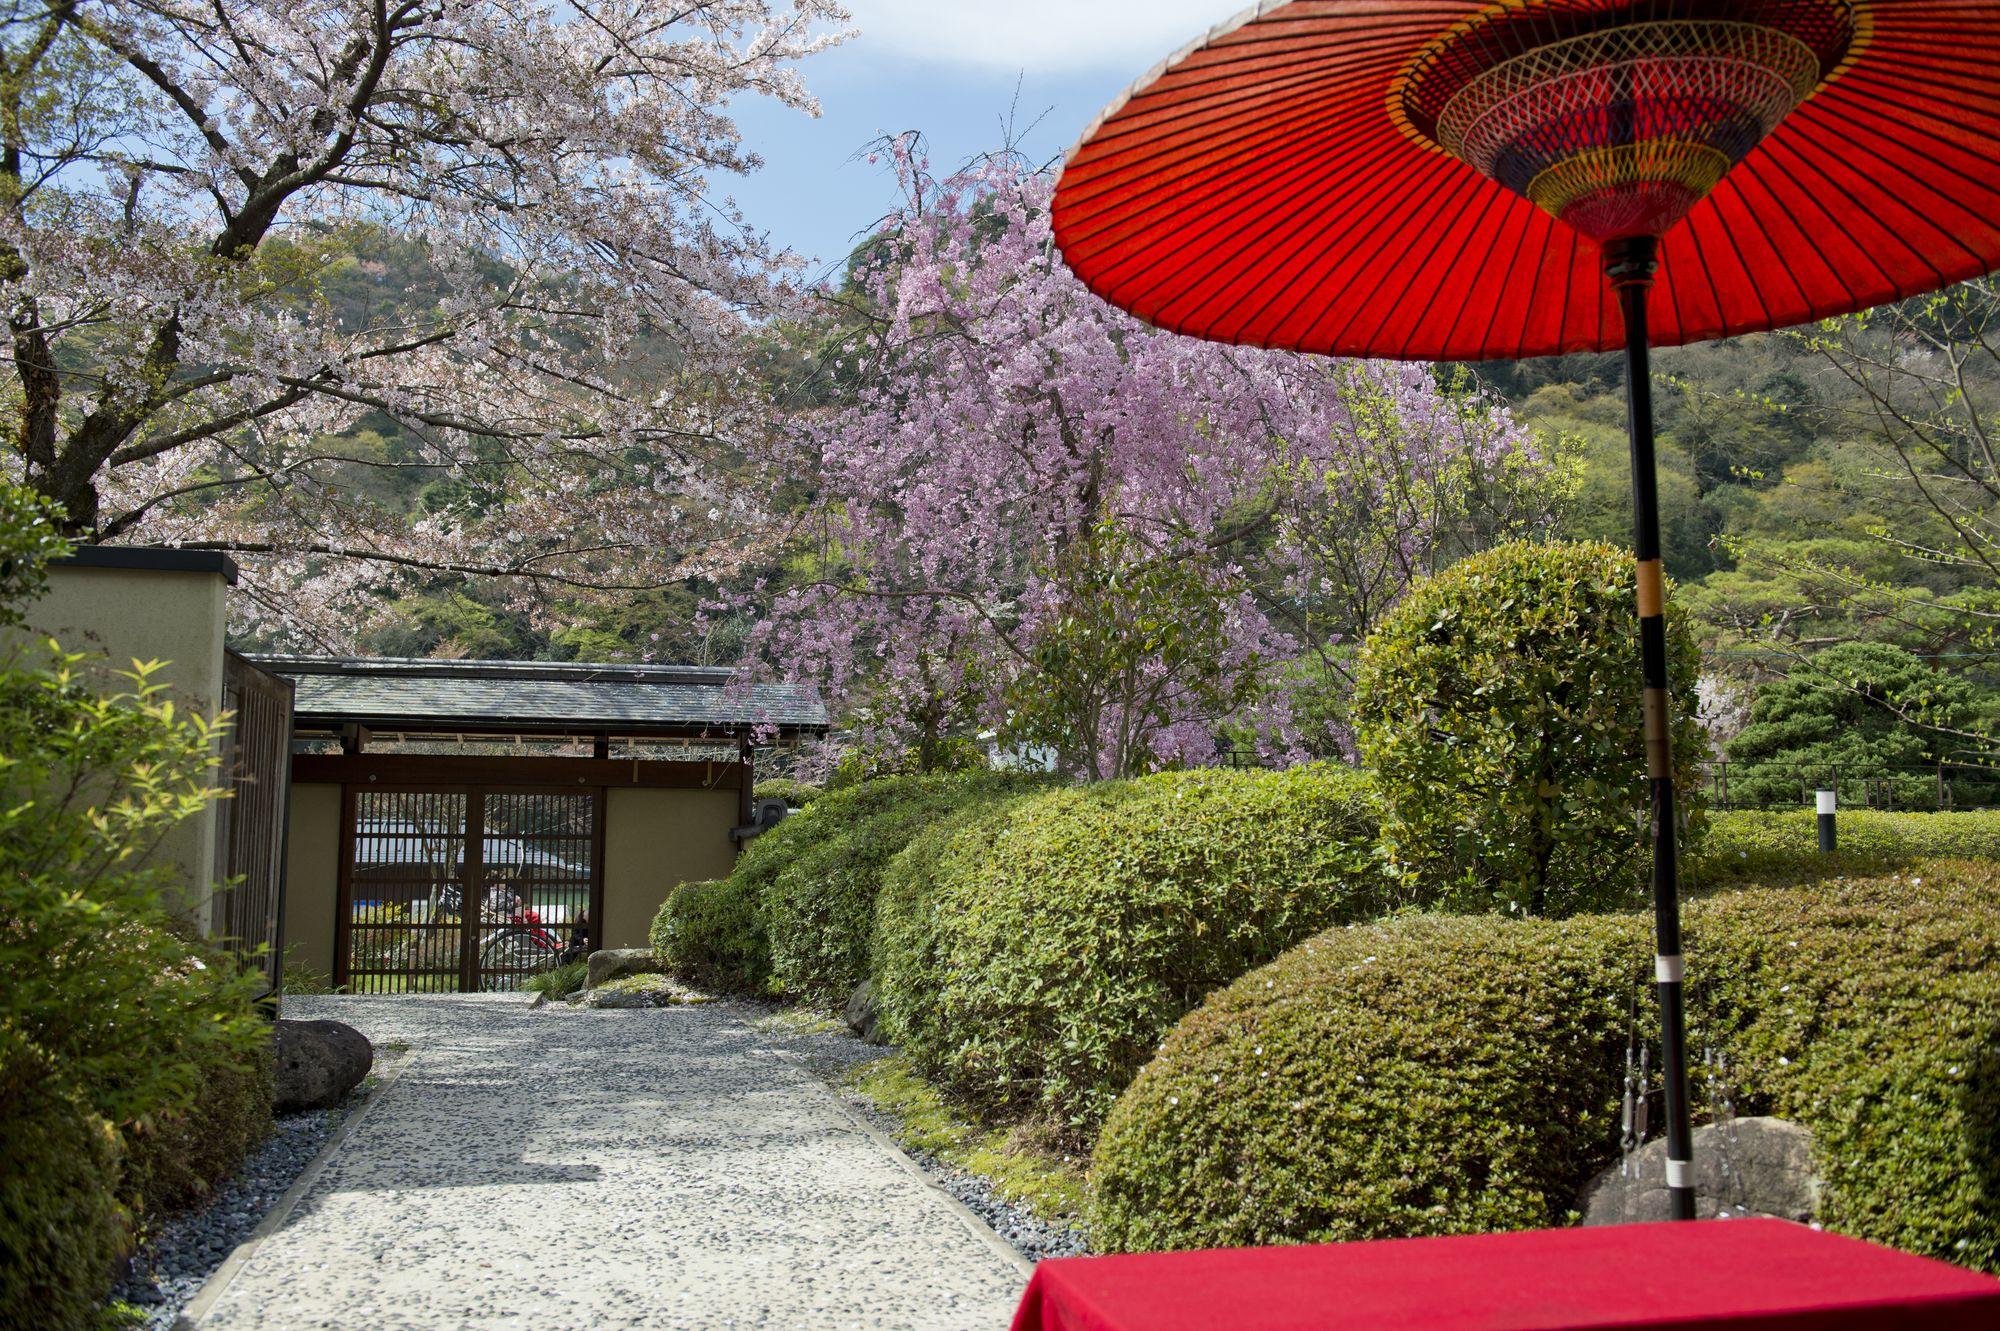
{"x": 423, "y": 769}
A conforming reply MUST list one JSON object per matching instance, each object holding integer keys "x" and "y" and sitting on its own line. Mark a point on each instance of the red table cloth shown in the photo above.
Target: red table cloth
{"x": 1769, "y": 1275}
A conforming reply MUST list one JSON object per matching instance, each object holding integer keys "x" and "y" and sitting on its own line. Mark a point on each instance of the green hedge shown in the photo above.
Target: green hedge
{"x": 1434, "y": 1075}
{"x": 61, "y": 1230}
{"x": 820, "y": 909}
{"x": 711, "y": 934}
{"x": 1749, "y": 845}
{"x": 797, "y": 794}
{"x": 1058, "y": 938}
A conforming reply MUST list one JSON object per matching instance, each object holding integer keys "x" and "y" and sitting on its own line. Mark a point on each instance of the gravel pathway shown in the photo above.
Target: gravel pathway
{"x": 664, "y": 1168}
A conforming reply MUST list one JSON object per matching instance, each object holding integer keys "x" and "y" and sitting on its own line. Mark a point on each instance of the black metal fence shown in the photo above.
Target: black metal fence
{"x": 1915, "y": 786}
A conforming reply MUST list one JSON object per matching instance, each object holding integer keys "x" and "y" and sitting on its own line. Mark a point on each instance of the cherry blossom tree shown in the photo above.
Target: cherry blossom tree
{"x": 1038, "y": 516}
{"x": 182, "y": 185}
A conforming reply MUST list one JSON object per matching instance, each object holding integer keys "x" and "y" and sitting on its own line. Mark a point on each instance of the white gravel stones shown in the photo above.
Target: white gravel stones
{"x": 562, "y": 1168}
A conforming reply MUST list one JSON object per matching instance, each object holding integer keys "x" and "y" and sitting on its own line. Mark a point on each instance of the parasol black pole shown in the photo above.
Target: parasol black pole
{"x": 1629, "y": 265}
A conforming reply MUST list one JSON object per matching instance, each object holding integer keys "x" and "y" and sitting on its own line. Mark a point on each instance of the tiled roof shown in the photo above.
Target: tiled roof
{"x": 389, "y": 692}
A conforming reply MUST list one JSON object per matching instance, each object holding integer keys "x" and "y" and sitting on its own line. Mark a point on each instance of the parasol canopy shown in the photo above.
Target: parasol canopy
{"x": 1435, "y": 179}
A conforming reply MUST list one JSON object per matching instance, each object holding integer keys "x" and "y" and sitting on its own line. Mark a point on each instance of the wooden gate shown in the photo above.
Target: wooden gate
{"x": 250, "y": 823}
{"x": 465, "y": 888}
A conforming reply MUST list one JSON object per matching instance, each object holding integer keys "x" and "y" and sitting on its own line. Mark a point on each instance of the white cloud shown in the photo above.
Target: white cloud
{"x": 1038, "y": 36}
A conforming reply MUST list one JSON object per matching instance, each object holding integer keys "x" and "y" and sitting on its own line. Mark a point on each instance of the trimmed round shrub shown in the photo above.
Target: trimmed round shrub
{"x": 61, "y": 1229}
{"x": 1072, "y": 928}
{"x": 1457, "y": 1074}
{"x": 820, "y": 909}
{"x": 1499, "y": 704}
{"x": 711, "y": 934}
{"x": 796, "y": 794}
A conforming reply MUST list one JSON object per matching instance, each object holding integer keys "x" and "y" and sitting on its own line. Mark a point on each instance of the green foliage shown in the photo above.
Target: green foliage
{"x": 1436, "y": 1075}
{"x": 558, "y": 981}
{"x": 796, "y": 794}
{"x": 111, "y": 1020}
{"x": 1754, "y": 845}
{"x": 1500, "y": 706}
{"x": 175, "y": 1157}
{"x": 60, "y": 1226}
{"x": 820, "y": 910}
{"x": 711, "y": 934}
{"x": 1870, "y": 712}
{"x": 1063, "y": 933}
{"x": 28, "y": 541}
{"x": 863, "y": 763}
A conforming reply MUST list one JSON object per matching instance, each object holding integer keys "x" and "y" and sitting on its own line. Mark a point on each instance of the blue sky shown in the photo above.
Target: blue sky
{"x": 950, "y": 69}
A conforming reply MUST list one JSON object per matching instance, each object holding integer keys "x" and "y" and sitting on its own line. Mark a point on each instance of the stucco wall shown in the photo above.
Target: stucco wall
{"x": 312, "y": 877}
{"x": 132, "y": 614}
{"x": 654, "y": 840}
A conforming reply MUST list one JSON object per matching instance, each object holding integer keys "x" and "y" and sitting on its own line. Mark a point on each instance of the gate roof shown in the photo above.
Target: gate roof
{"x": 394, "y": 693}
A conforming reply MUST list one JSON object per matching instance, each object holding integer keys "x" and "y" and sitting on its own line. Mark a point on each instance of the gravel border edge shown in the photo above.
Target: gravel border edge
{"x": 218, "y": 1282}
{"x": 984, "y": 1232}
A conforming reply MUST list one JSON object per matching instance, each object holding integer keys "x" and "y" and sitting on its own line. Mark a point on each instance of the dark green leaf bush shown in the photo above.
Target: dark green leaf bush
{"x": 1058, "y": 938}
{"x": 1499, "y": 704}
{"x": 820, "y": 909}
{"x": 711, "y": 934}
{"x": 1869, "y": 711}
{"x": 60, "y": 1227}
{"x": 1434, "y": 1075}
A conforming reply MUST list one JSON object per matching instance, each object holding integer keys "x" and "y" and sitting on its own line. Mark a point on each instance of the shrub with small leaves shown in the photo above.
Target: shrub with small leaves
{"x": 711, "y": 934}
{"x": 820, "y": 909}
{"x": 1754, "y": 845}
{"x": 1499, "y": 704}
{"x": 1431, "y": 1075}
{"x": 1063, "y": 934}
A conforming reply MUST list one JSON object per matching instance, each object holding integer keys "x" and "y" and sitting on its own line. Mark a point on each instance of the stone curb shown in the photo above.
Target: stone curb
{"x": 887, "y": 1145}
{"x": 385, "y": 1073}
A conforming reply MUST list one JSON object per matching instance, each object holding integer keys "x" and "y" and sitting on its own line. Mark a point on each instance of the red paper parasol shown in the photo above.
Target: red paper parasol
{"x": 1474, "y": 179}
{"x": 1281, "y": 183}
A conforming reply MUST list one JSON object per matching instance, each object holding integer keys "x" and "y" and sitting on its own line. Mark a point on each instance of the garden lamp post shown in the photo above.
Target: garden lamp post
{"x": 1485, "y": 179}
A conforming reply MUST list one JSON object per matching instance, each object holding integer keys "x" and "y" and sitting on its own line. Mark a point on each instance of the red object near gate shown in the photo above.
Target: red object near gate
{"x": 1754, "y": 1275}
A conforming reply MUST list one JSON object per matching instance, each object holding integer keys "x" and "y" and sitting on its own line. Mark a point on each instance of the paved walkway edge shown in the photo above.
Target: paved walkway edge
{"x": 385, "y": 1074}
{"x": 887, "y": 1145}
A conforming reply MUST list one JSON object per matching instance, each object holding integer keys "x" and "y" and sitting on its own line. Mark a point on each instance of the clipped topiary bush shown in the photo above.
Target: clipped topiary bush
{"x": 1072, "y": 928}
{"x": 711, "y": 934}
{"x": 908, "y": 960}
{"x": 820, "y": 908}
{"x": 1499, "y": 704}
{"x": 1440, "y": 1075}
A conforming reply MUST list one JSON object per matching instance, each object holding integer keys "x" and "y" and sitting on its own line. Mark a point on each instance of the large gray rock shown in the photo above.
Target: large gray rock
{"x": 864, "y": 1014}
{"x": 615, "y": 963}
{"x": 1747, "y": 1167}
{"x": 318, "y": 1062}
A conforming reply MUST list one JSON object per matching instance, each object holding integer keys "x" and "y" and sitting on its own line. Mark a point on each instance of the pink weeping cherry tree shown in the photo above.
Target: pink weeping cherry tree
{"x": 1038, "y": 520}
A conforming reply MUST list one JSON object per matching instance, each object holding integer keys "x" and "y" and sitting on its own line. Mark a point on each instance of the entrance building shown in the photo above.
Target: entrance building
{"x": 461, "y": 825}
